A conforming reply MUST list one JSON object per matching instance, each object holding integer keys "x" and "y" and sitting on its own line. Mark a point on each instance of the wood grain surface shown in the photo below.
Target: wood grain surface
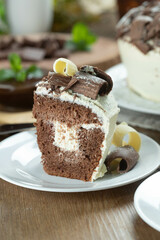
{"x": 36, "y": 215}
{"x": 109, "y": 214}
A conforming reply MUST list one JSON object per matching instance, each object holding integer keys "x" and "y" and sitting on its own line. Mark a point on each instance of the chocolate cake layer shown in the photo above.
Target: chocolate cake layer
{"x": 70, "y": 113}
{"x": 78, "y": 164}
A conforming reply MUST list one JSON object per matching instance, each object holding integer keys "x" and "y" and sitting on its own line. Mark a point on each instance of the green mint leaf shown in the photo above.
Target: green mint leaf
{"x": 6, "y": 74}
{"x": 21, "y": 76}
{"x": 2, "y": 10}
{"x": 90, "y": 38}
{"x": 34, "y": 72}
{"x": 15, "y": 62}
{"x": 82, "y": 38}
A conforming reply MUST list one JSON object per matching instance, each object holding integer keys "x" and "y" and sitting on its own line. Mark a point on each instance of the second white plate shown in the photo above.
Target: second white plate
{"x": 147, "y": 201}
{"x": 127, "y": 98}
{"x": 20, "y": 161}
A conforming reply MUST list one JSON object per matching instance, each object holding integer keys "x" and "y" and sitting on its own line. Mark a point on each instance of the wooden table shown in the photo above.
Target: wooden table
{"x": 109, "y": 214}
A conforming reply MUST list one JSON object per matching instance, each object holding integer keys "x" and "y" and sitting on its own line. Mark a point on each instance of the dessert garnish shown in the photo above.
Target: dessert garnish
{"x": 121, "y": 132}
{"x": 17, "y": 72}
{"x": 125, "y": 156}
{"x": 89, "y": 81}
{"x": 82, "y": 38}
{"x": 141, "y": 26}
{"x": 64, "y": 67}
{"x": 122, "y": 159}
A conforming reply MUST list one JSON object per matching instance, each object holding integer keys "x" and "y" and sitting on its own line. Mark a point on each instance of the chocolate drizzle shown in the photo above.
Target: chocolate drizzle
{"x": 89, "y": 81}
{"x": 141, "y": 27}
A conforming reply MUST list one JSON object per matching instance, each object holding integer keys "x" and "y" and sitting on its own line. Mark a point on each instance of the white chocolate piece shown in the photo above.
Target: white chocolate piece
{"x": 121, "y": 131}
{"x": 65, "y": 67}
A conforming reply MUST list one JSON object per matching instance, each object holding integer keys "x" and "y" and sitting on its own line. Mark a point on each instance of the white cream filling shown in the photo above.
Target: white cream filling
{"x": 143, "y": 70}
{"x": 65, "y": 137}
{"x": 104, "y": 107}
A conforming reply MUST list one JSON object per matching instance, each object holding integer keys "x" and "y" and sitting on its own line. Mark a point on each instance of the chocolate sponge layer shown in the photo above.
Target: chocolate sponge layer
{"x": 78, "y": 164}
{"x": 65, "y": 112}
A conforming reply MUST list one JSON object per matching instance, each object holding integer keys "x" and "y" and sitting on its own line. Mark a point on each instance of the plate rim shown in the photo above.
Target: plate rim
{"x": 134, "y": 108}
{"x": 137, "y": 206}
{"x": 83, "y": 189}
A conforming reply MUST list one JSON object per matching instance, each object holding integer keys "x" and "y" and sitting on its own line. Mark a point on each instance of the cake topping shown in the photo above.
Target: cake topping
{"x": 122, "y": 159}
{"x": 141, "y": 27}
{"x": 89, "y": 81}
{"x": 65, "y": 67}
{"x": 121, "y": 131}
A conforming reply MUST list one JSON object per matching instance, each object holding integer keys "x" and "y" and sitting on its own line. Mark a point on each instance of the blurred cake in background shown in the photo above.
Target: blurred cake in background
{"x": 138, "y": 34}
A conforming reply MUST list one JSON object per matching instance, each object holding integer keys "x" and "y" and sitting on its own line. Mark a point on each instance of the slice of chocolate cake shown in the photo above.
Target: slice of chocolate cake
{"x": 76, "y": 115}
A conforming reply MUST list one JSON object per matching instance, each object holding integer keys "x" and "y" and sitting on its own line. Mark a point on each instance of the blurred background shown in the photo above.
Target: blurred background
{"x": 33, "y": 16}
{"x": 33, "y": 33}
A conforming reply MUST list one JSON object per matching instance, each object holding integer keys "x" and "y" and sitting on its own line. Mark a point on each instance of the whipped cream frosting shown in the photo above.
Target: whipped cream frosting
{"x": 143, "y": 70}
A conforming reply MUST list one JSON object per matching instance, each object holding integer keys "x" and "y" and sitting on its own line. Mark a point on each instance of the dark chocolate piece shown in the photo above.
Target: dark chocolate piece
{"x": 154, "y": 27}
{"x": 142, "y": 46}
{"x": 89, "y": 85}
{"x": 51, "y": 49}
{"x": 128, "y": 156}
{"x": 29, "y": 42}
{"x": 6, "y": 42}
{"x": 51, "y": 45}
{"x": 140, "y": 26}
{"x": 89, "y": 81}
{"x": 57, "y": 80}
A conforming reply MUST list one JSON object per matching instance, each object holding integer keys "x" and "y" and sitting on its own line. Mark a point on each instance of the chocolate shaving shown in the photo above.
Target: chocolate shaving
{"x": 141, "y": 27}
{"x": 138, "y": 27}
{"x": 90, "y": 84}
{"x": 128, "y": 156}
{"x": 101, "y": 74}
{"x": 142, "y": 46}
{"x": 70, "y": 84}
{"x": 59, "y": 80}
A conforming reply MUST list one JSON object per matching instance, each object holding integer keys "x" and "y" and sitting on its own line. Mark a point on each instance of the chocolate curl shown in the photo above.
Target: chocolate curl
{"x": 59, "y": 80}
{"x": 88, "y": 85}
{"x": 138, "y": 31}
{"x": 126, "y": 158}
{"x": 70, "y": 84}
{"x": 142, "y": 46}
{"x": 100, "y": 74}
{"x": 153, "y": 28}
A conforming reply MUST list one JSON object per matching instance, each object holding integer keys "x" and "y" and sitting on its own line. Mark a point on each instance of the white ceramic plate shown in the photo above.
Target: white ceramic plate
{"x": 147, "y": 201}
{"x": 20, "y": 164}
{"x": 127, "y": 98}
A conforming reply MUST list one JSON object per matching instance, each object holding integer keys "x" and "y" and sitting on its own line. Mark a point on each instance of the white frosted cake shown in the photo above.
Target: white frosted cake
{"x": 139, "y": 44}
{"x": 76, "y": 117}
